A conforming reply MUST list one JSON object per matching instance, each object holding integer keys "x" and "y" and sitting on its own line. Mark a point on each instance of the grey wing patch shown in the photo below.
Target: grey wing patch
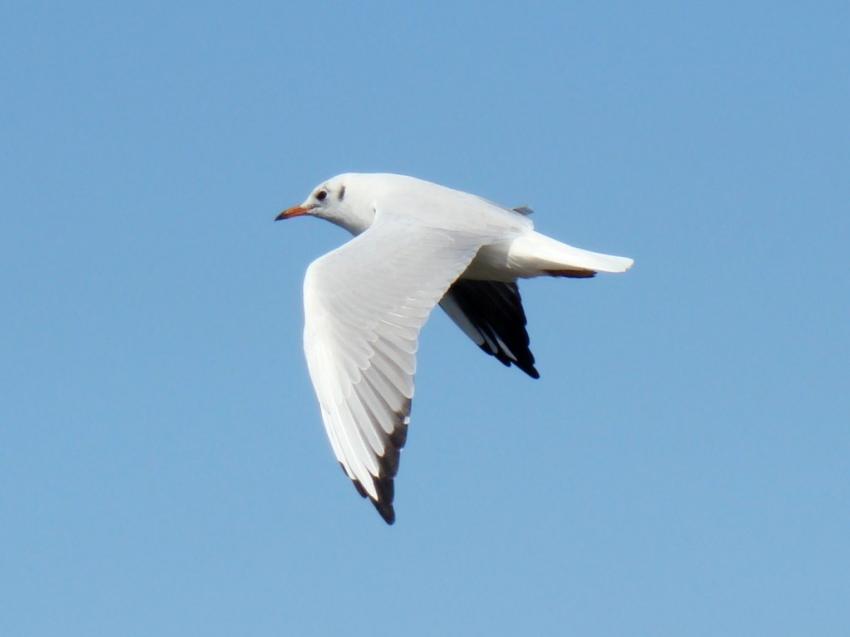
{"x": 491, "y": 314}
{"x": 524, "y": 210}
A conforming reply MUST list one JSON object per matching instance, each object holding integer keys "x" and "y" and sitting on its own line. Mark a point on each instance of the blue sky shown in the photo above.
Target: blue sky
{"x": 681, "y": 468}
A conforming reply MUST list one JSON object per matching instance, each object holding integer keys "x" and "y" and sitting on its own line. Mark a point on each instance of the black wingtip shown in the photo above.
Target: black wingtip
{"x": 386, "y": 511}
{"x": 495, "y": 310}
{"x": 524, "y": 365}
{"x": 384, "y": 504}
{"x": 528, "y": 368}
{"x": 386, "y": 493}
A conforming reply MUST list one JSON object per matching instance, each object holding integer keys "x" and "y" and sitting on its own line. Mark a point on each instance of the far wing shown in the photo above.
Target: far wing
{"x": 364, "y": 305}
{"x": 491, "y": 314}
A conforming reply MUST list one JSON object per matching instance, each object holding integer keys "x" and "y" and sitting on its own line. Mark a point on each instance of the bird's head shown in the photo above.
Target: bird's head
{"x": 342, "y": 200}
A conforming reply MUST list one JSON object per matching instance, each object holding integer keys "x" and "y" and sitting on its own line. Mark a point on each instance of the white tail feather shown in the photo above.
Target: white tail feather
{"x": 533, "y": 254}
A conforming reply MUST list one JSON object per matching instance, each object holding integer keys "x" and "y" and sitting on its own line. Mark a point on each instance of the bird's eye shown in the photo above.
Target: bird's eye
{"x": 321, "y": 195}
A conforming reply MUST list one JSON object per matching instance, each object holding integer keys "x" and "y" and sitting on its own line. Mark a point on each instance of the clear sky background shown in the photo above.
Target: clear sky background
{"x": 681, "y": 468}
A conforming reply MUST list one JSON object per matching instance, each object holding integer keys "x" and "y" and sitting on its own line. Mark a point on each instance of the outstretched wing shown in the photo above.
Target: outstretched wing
{"x": 491, "y": 314}
{"x": 364, "y": 305}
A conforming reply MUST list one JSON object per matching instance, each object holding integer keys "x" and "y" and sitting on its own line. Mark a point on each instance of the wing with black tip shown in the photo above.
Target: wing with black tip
{"x": 364, "y": 305}
{"x": 491, "y": 314}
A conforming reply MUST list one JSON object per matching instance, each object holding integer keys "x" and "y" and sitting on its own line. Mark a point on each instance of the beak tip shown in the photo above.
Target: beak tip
{"x": 297, "y": 211}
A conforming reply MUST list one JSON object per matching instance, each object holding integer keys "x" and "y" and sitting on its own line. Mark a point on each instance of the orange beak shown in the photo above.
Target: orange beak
{"x": 295, "y": 211}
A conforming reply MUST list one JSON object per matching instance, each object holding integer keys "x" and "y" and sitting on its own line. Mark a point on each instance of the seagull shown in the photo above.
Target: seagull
{"x": 416, "y": 245}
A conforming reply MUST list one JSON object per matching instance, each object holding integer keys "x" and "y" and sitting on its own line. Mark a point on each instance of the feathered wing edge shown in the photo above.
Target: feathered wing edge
{"x": 491, "y": 314}
{"x": 365, "y": 304}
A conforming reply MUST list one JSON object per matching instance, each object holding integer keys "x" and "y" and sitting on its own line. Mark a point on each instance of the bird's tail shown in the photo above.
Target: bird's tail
{"x": 535, "y": 254}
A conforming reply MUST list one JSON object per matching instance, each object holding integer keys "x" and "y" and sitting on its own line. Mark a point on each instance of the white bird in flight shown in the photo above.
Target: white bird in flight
{"x": 416, "y": 244}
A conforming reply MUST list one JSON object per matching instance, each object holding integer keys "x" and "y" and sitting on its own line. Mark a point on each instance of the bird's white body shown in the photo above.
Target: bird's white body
{"x": 515, "y": 251}
{"x": 417, "y": 244}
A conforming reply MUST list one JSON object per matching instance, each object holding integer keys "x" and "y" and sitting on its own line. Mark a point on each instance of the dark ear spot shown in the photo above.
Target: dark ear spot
{"x": 341, "y": 192}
